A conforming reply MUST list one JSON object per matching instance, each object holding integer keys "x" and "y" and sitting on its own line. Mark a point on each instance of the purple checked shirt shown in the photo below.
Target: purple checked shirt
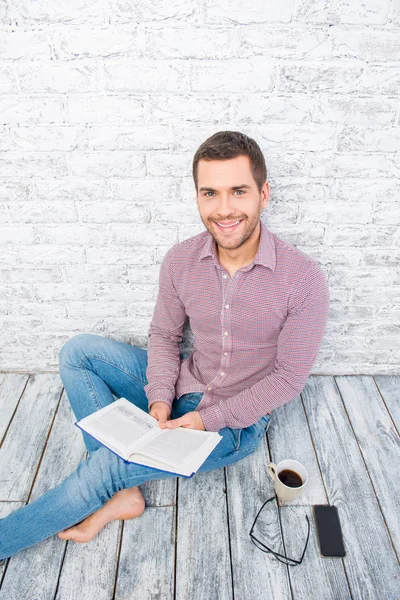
{"x": 256, "y": 336}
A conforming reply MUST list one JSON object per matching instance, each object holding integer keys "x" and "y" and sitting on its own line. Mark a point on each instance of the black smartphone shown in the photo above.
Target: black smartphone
{"x": 329, "y": 530}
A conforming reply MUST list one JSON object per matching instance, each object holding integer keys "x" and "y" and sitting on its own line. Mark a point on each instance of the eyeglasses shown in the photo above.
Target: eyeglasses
{"x": 277, "y": 554}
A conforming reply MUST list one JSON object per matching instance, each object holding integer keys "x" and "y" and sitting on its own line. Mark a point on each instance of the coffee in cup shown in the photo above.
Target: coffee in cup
{"x": 290, "y": 478}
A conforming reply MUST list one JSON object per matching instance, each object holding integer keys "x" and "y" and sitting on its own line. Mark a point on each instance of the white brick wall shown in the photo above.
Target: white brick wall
{"x": 103, "y": 104}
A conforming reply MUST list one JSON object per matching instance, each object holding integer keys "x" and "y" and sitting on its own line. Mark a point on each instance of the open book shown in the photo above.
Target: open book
{"x": 136, "y": 436}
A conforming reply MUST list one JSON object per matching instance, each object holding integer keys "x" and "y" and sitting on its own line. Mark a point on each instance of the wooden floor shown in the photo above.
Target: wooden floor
{"x": 192, "y": 542}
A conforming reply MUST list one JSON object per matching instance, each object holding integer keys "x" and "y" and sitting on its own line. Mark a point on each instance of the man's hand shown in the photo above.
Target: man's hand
{"x": 160, "y": 411}
{"x": 191, "y": 420}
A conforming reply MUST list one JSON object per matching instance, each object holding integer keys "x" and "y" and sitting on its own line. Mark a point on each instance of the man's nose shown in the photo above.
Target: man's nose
{"x": 226, "y": 204}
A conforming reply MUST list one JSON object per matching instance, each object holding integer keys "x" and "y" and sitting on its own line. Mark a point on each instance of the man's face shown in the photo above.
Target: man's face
{"x": 227, "y": 193}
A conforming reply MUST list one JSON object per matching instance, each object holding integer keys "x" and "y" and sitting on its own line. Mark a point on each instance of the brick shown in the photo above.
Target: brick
{"x": 369, "y": 45}
{"x": 369, "y": 235}
{"x": 25, "y": 45}
{"x": 27, "y": 274}
{"x": 31, "y": 110}
{"x": 8, "y": 79}
{"x": 285, "y": 42}
{"x": 106, "y": 212}
{"x": 146, "y": 75}
{"x": 369, "y": 140}
{"x": 268, "y": 108}
{"x": 288, "y": 137}
{"x": 334, "y": 78}
{"x": 94, "y": 274}
{"x": 145, "y": 189}
{"x": 232, "y": 76}
{"x": 39, "y": 254}
{"x": 110, "y": 108}
{"x": 78, "y": 11}
{"x": 126, "y": 11}
{"x": 110, "y": 255}
{"x": 136, "y": 235}
{"x": 17, "y": 234}
{"x": 88, "y": 41}
{"x": 132, "y": 137}
{"x": 59, "y": 77}
{"x": 191, "y": 42}
{"x": 225, "y": 11}
{"x": 70, "y": 189}
{"x": 31, "y": 164}
{"x": 47, "y": 138}
{"x": 177, "y": 164}
{"x": 11, "y": 190}
{"x": 106, "y": 164}
{"x": 38, "y": 212}
{"x": 370, "y": 112}
{"x": 79, "y": 234}
{"x": 367, "y": 12}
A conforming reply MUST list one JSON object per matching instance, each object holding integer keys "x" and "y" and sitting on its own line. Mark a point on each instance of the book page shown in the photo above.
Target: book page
{"x": 122, "y": 422}
{"x": 174, "y": 446}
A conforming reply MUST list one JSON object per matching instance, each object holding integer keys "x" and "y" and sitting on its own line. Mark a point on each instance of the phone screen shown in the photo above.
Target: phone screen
{"x": 329, "y": 530}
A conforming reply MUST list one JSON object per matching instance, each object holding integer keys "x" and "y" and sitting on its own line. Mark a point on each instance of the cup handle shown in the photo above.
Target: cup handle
{"x": 271, "y": 470}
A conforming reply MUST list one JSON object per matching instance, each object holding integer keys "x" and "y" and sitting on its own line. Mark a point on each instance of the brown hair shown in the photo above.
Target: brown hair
{"x": 229, "y": 144}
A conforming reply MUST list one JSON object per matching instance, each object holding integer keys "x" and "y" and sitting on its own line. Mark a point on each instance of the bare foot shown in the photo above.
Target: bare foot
{"x": 125, "y": 504}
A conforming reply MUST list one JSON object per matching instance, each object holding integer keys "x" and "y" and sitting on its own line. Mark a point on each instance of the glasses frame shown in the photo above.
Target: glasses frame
{"x": 267, "y": 549}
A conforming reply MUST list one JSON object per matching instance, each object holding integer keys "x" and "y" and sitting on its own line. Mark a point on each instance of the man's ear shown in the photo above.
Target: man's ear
{"x": 265, "y": 194}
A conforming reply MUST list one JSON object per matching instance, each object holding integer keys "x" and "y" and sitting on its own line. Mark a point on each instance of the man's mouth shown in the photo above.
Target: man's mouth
{"x": 228, "y": 227}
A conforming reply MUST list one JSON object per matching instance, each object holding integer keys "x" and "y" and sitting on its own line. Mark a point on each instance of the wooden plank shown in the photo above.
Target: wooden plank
{"x": 89, "y": 569}
{"x": 289, "y": 437}
{"x": 64, "y": 451}
{"x": 146, "y": 564}
{"x": 11, "y": 387}
{"x": 389, "y": 387}
{"x": 25, "y": 439}
{"x": 379, "y": 444}
{"x": 317, "y": 577}
{"x": 6, "y": 508}
{"x": 256, "y": 574}
{"x": 371, "y": 565}
{"x": 203, "y": 568}
{"x": 160, "y": 492}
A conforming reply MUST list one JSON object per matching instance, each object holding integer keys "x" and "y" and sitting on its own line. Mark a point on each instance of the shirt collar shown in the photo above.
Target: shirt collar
{"x": 265, "y": 255}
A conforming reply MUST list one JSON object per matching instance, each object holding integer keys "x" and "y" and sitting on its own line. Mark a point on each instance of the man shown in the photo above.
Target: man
{"x": 258, "y": 308}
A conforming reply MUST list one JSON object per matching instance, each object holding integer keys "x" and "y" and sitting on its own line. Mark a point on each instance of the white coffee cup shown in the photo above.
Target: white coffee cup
{"x": 285, "y": 492}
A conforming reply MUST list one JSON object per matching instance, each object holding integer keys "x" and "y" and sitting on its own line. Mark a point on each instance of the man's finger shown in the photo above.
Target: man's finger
{"x": 174, "y": 423}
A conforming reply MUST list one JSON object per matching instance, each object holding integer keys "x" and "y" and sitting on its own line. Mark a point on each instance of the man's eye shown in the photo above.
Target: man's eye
{"x": 240, "y": 191}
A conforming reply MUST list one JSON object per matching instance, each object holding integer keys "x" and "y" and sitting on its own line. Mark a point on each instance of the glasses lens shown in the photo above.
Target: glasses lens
{"x": 265, "y": 548}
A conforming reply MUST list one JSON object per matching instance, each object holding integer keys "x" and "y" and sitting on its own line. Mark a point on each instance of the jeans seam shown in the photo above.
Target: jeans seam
{"x": 91, "y": 386}
{"x": 86, "y": 357}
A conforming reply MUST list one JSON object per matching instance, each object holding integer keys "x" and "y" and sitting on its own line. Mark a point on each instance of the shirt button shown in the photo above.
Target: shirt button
{"x": 226, "y": 333}
{"x": 222, "y": 373}
{"x": 226, "y": 305}
{"x": 224, "y": 276}
{"x": 209, "y": 388}
{"x": 225, "y": 354}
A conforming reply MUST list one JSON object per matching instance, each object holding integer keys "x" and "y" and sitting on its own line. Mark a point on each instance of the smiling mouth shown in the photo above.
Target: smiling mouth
{"x": 228, "y": 228}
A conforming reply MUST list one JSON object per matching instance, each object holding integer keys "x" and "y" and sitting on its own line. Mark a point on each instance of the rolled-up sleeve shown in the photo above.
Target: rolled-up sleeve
{"x": 298, "y": 345}
{"x": 164, "y": 336}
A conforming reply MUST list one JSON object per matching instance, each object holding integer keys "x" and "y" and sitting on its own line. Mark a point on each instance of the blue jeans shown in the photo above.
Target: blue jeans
{"x": 93, "y": 370}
